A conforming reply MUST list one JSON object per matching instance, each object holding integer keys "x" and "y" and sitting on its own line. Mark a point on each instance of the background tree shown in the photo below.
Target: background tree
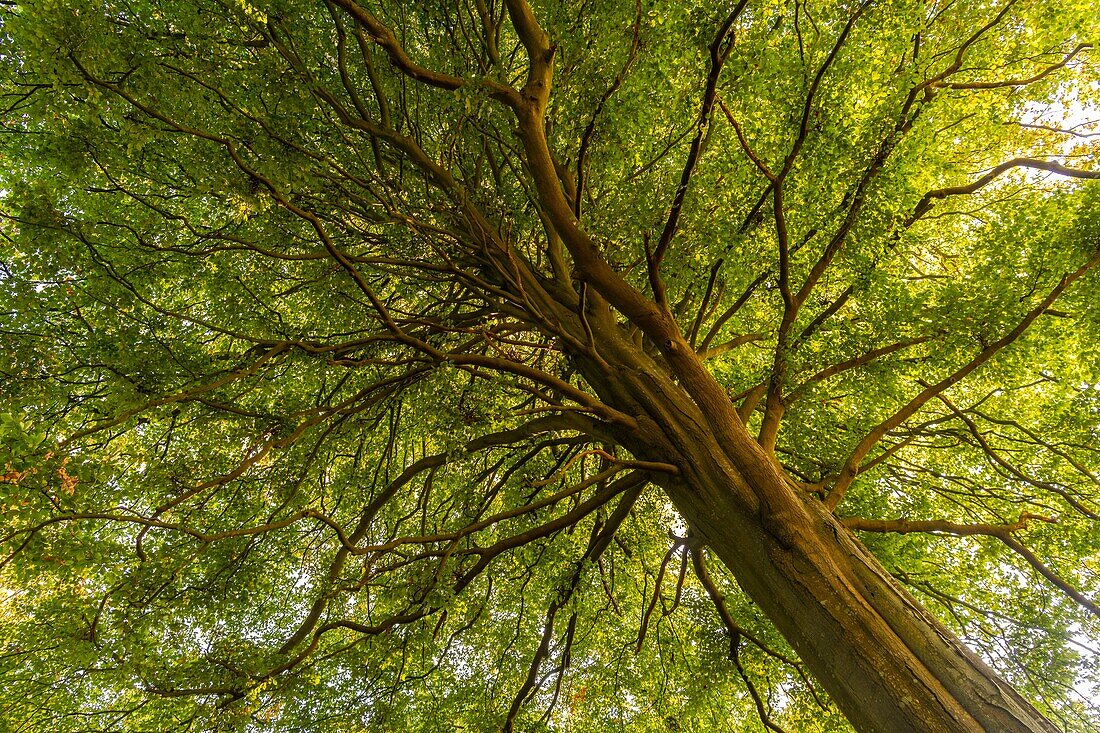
{"x": 402, "y": 366}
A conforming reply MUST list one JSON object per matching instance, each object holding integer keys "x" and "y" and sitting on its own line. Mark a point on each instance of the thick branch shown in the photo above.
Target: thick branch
{"x": 939, "y": 526}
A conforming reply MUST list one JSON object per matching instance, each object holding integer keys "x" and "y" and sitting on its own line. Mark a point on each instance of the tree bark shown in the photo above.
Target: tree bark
{"x": 887, "y": 663}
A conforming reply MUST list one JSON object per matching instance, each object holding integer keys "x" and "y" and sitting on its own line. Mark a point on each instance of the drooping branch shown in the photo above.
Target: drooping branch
{"x": 1035, "y": 437}
{"x": 999, "y": 460}
{"x": 652, "y": 466}
{"x": 737, "y": 633}
{"x": 359, "y": 532}
{"x": 384, "y": 37}
{"x": 453, "y": 268}
{"x": 330, "y": 245}
{"x": 599, "y": 541}
{"x": 486, "y": 555}
{"x": 509, "y": 264}
{"x": 1086, "y": 602}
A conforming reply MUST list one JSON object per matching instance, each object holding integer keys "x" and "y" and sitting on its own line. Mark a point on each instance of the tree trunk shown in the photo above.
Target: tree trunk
{"x": 886, "y": 662}
{"x": 889, "y": 665}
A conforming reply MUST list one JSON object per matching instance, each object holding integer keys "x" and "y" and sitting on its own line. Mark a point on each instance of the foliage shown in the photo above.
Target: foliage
{"x": 297, "y": 433}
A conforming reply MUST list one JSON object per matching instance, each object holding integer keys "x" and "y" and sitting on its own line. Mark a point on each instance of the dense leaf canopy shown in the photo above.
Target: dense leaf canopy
{"x": 303, "y": 427}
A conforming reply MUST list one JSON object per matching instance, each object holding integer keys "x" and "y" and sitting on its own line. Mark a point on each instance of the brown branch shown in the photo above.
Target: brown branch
{"x": 453, "y": 537}
{"x": 728, "y": 346}
{"x": 749, "y": 152}
{"x": 652, "y": 466}
{"x": 184, "y": 396}
{"x": 992, "y": 455}
{"x": 957, "y": 63}
{"x": 507, "y": 262}
{"x": 750, "y": 399}
{"x": 1050, "y": 575}
{"x": 361, "y": 628}
{"x": 1002, "y": 532}
{"x": 643, "y": 627}
{"x": 853, "y": 363}
{"x": 773, "y": 405}
{"x": 702, "y": 312}
{"x": 384, "y": 37}
{"x": 730, "y": 312}
{"x": 626, "y": 483}
{"x": 851, "y": 466}
{"x": 737, "y": 632}
{"x": 349, "y": 543}
{"x": 1017, "y": 82}
{"x": 939, "y": 526}
{"x": 811, "y": 93}
{"x": 530, "y": 110}
{"x": 384, "y": 626}
{"x": 926, "y": 201}
{"x": 773, "y": 402}
{"x": 1061, "y": 131}
{"x": 598, "y": 543}
{"x": 718, "y": 50}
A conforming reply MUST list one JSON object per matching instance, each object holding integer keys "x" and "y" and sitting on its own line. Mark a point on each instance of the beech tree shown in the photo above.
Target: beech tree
{"x": 550, "y": 365}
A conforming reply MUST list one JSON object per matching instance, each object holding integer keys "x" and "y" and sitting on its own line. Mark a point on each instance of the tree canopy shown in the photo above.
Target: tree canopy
{"x": 549, "y": 365}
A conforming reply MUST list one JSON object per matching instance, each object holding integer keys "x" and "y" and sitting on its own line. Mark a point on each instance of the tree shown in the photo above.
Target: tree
{"x": 375, "y": 364}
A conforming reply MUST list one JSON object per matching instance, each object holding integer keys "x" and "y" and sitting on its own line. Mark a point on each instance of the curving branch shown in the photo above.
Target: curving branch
{"x": 928, "y": 200}
{"x": 349, "y": 542}
{"x": 628, "y": 483}
{"x": 599, "y": 541}
{"x": 619, "y": 463}
{"x": 1002, "y": 532}
{"x": 384, "y": 37}
{"x": 1017, "y": 82}
{"x": 1051, "y": 576}
{"x": 1012, "y": 470}
{"x": 590, "y": 264}
{"x": 737, "y": 633}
